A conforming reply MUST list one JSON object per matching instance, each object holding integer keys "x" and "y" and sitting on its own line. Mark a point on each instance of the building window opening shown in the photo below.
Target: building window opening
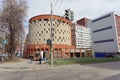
{"x": 59, "y": 37}
{"x": 44, "y": 39}
{"x": 35, "y": 50}
{"x": 55, "y": 37}
{"x": 42, "y": 49}
{"x": 38, "y": 49}
{"x": 34, "y": 21}
{"x": 45, "y": 19}
{"x": 44, "y": 29}
{"x": 49, "y": 29}
{"x": 46, "y": 49}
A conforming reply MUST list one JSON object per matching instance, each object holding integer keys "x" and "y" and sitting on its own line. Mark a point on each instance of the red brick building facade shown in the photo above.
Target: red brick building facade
{"x": 83, "y": 22}
{"x": 118, "y": 28}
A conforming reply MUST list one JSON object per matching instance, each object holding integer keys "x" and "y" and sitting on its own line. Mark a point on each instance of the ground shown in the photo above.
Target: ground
{"x": 101, "y": 71}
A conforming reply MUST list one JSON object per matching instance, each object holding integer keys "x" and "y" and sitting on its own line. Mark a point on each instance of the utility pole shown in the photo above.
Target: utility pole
{"x": 51, "y": 36}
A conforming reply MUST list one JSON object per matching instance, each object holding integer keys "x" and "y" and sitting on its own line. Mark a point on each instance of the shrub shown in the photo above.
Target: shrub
{"x": 83, "y": 60}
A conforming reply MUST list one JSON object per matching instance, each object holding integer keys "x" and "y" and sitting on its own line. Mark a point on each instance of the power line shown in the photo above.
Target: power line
{"x": 60, "y": 5}
{"x": 63, "y": 7}
{"x": 55, "y": 4}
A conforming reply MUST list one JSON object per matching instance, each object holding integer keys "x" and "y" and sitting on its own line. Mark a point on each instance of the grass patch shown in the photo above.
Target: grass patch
{"x": 83, "y": 61}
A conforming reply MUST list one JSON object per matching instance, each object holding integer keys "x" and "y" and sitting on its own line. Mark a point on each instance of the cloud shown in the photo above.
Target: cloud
{"x": 82, "y": 8}
{"x": 95, "y": 7}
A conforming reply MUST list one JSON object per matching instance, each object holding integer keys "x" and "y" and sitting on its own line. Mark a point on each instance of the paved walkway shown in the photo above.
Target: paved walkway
{"x": 66, "y": 72}
{"x": 24, "y": 64}
{"x": 19, "y": 71}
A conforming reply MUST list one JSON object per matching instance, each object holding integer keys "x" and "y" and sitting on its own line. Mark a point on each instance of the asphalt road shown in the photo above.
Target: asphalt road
{"x": 108, "y": 65}
{"x": 104, "y": 71}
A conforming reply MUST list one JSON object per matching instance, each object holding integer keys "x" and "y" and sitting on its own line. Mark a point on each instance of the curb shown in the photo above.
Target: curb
{"x": 14, "y": 67}
{"x": 31, "y": 68}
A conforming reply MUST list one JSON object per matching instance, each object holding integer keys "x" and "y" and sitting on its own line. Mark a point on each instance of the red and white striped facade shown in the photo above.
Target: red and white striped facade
{"x": 39, "y": 32}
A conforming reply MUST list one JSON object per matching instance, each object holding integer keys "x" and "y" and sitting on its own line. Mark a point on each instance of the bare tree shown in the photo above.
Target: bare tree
{"x": 12, "y": 17}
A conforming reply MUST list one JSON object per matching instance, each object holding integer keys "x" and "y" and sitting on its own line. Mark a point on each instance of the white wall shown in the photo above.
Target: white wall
{"x": 83, "y": 37}
{"x": 104, "y": 35}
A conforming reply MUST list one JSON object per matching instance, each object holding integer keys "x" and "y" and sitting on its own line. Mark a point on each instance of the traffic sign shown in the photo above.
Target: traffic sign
{"x": 5, "y": 41}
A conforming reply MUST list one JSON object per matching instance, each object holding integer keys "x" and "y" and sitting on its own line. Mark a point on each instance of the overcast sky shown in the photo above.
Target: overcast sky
{"x": 82, "y": 8}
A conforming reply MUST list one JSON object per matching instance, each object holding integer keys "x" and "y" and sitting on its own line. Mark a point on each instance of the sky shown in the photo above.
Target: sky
{"x": 82, "y": 8}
